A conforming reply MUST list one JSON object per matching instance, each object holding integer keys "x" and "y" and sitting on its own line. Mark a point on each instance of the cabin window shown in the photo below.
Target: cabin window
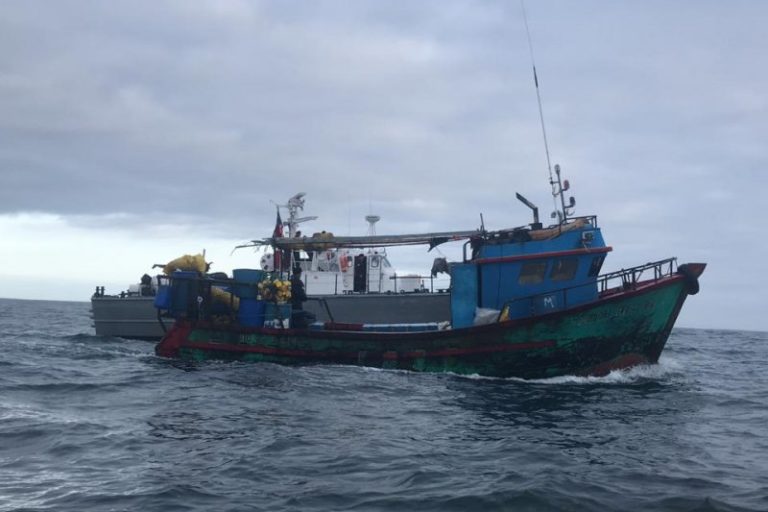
{"x": 375, "y": 262}
{"x": 532, "y": 272}
{"x": 597, "y": 264}
{"x": 564, "y": 269}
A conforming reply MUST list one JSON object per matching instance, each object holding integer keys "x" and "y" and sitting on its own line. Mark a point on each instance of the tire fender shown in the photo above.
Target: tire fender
{"x": 691, "y": 280}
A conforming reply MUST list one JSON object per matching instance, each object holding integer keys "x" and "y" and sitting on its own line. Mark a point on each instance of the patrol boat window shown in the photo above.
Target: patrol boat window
{"x": 564, "y": 269}
{"x": 532, "y": 272}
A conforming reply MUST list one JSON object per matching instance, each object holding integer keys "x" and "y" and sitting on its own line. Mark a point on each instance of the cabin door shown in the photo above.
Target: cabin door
{"x": 361, "y": 273}
{"x": 374, "y": 273}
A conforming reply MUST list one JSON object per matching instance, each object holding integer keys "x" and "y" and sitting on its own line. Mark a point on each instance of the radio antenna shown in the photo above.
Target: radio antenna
{"x": 536, "y": 83}
{"x": 538, "y": 99}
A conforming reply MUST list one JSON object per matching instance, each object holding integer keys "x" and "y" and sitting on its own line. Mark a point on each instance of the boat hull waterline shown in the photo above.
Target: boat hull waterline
{"x": 619, "y": 330}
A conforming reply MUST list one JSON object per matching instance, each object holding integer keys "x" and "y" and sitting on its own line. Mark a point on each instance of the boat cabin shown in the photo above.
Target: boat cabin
{"x": 338, "y": 271}
{"x": 528, "y": 271}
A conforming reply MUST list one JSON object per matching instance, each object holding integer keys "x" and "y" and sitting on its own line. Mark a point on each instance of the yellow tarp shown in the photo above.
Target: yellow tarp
{"x": 186, "y": 262}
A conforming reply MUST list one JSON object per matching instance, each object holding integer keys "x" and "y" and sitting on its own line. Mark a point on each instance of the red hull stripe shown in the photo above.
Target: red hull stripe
{"x": 506, "y": 347}
{"x": 414, "y": 354}
{"x": 542, "y": 255}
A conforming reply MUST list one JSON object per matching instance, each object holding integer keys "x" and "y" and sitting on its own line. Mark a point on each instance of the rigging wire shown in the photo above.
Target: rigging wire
{"x": 538, "y": 99}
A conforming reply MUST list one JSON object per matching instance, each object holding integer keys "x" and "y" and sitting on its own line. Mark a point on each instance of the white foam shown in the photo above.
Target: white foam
{"x": 663, "y": 370}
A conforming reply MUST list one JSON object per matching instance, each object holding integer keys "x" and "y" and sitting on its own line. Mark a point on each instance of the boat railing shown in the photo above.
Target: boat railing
{"x": 443, "y": 284}
{"x": 631, "y": 276}
{"x": 400, "y": 284}
{"x": 522, "y": 234}
{"x": 606, "y": 284}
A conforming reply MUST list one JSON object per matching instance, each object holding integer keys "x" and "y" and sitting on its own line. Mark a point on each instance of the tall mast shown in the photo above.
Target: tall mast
{"x": 558, "y": 186}
{"x": 293, "y": 206}
{"x": 538, "y": 93}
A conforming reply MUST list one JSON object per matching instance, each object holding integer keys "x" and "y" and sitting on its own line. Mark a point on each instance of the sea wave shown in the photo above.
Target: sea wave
{"x": 92, "y": 423}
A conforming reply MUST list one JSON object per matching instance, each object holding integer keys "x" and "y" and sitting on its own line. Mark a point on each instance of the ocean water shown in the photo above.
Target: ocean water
{"x": 94, "y": 423}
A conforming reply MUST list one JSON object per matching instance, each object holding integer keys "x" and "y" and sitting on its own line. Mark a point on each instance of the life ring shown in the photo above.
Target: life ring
{"x": 690, "y": 278}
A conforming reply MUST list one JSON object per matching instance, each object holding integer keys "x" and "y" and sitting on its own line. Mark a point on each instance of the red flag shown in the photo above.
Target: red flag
{"x": 278, "y": 232}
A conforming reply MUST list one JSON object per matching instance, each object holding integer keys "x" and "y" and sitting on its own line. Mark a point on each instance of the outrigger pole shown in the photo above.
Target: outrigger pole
{"x": 321, "y": 242}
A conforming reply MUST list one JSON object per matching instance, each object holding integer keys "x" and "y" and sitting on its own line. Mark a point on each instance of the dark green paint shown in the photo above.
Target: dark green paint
{"x": 634, "y": 326}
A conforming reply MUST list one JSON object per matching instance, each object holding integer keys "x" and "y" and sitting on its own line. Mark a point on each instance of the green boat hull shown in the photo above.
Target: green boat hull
{"x": 621, "y": 329}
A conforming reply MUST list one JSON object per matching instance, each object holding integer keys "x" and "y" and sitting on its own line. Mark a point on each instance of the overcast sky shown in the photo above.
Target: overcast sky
{"x": 137, "y": 131}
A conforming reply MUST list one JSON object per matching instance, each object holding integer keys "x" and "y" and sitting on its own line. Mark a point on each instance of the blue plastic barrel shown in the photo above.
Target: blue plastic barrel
{"x": 163, "y": 297}
{"x": 248, "y": 275}
{"x": 251, "y": 312}
{"x": 246, "y": 282}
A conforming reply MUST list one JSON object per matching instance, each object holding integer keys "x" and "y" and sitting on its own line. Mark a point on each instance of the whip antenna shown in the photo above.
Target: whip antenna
{"x": 538, "y": 98}
{"x": 536, "y": 83}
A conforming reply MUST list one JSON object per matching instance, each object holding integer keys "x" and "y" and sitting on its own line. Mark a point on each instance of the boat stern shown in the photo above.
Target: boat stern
{"x": 173, "y": 340}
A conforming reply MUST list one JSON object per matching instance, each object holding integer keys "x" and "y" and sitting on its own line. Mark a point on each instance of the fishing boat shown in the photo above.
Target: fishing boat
{"x": 527, "y": 302}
